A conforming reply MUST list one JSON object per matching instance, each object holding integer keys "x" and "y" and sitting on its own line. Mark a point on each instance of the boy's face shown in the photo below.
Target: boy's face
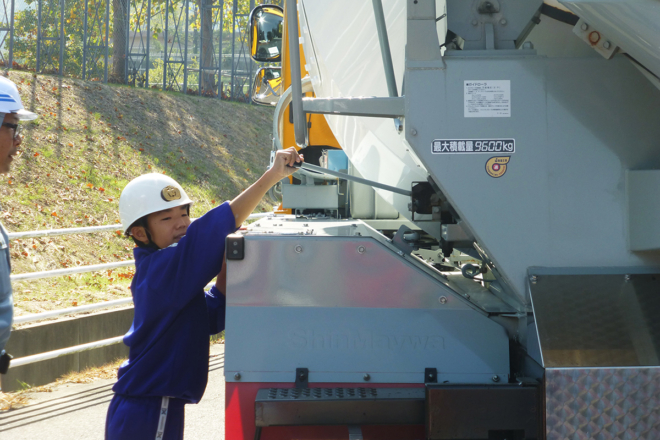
{"x": 166, "y": 227}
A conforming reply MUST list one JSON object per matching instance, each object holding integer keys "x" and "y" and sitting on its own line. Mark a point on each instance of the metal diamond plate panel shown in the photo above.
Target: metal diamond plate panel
{"x": 602, "y": 403}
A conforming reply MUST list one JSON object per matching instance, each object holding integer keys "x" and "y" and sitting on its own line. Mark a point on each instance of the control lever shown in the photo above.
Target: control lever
{"x": 318, "y": 169}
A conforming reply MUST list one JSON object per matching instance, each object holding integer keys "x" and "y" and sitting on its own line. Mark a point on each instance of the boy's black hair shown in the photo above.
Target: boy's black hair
{"x": 142, "y": 221}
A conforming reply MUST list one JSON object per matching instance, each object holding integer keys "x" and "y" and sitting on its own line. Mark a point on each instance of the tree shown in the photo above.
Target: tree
{"x": 119, "y": 34}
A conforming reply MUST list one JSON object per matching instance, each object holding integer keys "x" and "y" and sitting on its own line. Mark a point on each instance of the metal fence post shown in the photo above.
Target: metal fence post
{"x": 62, "y": 42}
{"x": 11, "y": 37}
{"x": 185, "y": 51}
{"x": 233, "y": 48}
{"x": 84, "y": 60}
{"x": 167, "y": 15}
{"x": 38, "y": 37}
{"x": 107, "y": 42}
{"x": 222, "y": 18}
{"x": 148, "y": 65}
{"x": 127, "y": 51}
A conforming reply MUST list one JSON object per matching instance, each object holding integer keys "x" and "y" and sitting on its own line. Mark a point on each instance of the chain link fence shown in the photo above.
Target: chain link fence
{"x": 193, "y": 46}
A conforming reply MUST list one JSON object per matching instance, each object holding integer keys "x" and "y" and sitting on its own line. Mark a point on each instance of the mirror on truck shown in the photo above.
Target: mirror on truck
{"x": 266, "y": 29}
{"x": 267, "y": 86}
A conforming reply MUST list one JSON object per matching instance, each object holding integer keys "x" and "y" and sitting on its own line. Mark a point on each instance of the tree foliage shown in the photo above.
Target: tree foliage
{"x": 205, "y": 25}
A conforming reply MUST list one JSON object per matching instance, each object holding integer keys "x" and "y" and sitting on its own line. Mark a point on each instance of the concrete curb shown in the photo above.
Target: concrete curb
{"x": 43, "y": 337}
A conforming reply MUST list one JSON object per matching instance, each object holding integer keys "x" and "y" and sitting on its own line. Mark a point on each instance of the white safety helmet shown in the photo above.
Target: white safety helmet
{"x": 10, "y": 100}
{"x": 147, "y": 194}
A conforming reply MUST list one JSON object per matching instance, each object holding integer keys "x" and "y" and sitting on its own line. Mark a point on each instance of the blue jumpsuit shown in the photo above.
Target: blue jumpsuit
{"x": 168, "y": 342}
{"x": 6, "y": 303}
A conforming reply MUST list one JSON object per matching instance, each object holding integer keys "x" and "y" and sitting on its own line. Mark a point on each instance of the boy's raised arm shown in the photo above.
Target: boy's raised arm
{"x": 243, "y": 205}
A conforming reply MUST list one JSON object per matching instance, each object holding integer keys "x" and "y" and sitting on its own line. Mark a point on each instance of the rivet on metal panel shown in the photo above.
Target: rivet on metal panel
{"x": 607, "y": 45}
{"x": 361, "y": 249}
{"x": 475, "y": 22}
{"x": 366, "y": 377}
{"x": 533, "y": 279}
{"x": 400, "y": 253}
{"x": 237, "y": 376}
{"x": 503, "y": 22}
{"x": 626, "y": 277}
{"x": 413, "y": 132}
{"x": 584, "y": 26}
{"x": 298, "y": 249}
{"x": 496, "y": 378}
{"x": 528, "y": 45}
{"x": 442, "y": 300}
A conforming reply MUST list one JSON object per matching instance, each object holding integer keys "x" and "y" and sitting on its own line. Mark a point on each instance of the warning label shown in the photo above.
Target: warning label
{"x": 487, "y": 99}
{"x": 457, "y": 146}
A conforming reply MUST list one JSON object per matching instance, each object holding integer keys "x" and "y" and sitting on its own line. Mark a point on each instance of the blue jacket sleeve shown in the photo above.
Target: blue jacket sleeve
{"x": 216, "y": 304}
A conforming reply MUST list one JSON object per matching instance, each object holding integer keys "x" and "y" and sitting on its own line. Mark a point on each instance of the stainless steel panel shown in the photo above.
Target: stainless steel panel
{"x": 602, "y": 403}
{"x": 321, "y": 271}
{"x": 341, "y": 345}
{"x": 597, "y": 320}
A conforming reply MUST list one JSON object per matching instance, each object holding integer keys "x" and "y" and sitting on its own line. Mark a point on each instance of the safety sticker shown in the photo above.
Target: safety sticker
{"x": 461, "y": 146}
{"x": 496, "y": 166}
{"x": 487, "y": 99}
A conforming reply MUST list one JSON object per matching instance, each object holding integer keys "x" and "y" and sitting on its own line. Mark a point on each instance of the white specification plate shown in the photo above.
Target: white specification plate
{"x": 487, "y": 99}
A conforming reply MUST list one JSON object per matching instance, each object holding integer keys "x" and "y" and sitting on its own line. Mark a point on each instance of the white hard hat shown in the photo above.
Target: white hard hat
{"x": 10, "y": 100}
{"x": 147, "y": 194}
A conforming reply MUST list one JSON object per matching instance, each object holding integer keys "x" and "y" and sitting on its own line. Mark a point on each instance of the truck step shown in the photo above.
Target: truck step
{"x": 339, "y": 406}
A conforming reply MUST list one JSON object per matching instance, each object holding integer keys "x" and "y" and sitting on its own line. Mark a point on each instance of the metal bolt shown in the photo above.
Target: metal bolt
{"x": 298, "y": 249}
{"x": 237, "y": 376}
{"x": 361, "y": 249}
{"x": 503, "y": 22}
{"x": 366, "y": 377}
{"x": 533, "y": 279}
{"x": 626, "y": 278}
{"x": 528, "y": 45}
{"x": 301, "y": 375}
{"x": 584, "y": 26}
{"x": 400, "y": 253}
{"x": 413, "y": 132}
{"x": 496, "y": 378}
{"x": 442, "y": 300}
{"x": 467, "y": 296}
{"x": 475, "y": 22}
{"x": 607, "y": 45}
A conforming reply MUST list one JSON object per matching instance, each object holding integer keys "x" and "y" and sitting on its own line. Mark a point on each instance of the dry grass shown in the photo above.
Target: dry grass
{"x": 92, "y": 139}
{"x": 12, "y": 400}
{"x": 107, "y": 371}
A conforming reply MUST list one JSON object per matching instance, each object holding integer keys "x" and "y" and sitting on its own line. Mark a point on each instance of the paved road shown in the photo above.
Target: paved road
{"x": 77, "y": 411}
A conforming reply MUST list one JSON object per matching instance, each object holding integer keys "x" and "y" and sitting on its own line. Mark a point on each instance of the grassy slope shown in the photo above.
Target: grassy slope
{"x": 92, "y": 139}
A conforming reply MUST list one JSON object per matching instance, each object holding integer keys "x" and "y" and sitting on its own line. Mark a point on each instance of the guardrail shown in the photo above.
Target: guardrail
{"x": 79, "y": 309}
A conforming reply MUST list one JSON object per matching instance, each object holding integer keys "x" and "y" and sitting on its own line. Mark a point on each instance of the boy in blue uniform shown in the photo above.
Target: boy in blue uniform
{"x": 169, "y": 339}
